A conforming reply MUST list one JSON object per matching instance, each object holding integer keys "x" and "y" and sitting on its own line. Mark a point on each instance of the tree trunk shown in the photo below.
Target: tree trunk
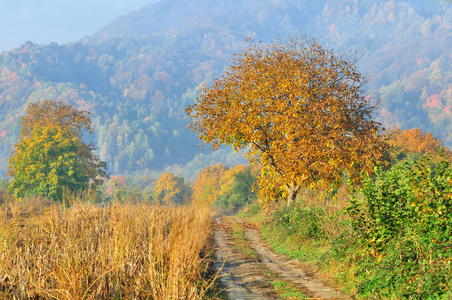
{"x": 292, "y": 192}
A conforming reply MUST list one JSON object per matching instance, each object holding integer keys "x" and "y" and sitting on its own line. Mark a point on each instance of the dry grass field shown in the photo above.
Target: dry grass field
{"x": 126, "y": 251}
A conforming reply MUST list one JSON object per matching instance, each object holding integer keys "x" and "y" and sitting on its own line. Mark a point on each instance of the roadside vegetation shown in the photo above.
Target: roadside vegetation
{"x": 387, "y": 238}
{"x": 66, "y": 235}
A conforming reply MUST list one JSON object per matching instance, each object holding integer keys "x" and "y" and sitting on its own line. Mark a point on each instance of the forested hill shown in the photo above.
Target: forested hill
{"x": 138, "y": 74}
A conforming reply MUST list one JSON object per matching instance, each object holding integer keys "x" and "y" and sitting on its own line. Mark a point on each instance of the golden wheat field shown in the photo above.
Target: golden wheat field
{"x": 127, "y": 251}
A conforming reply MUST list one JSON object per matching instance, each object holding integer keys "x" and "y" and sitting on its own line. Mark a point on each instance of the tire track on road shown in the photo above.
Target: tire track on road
{"x": 240, "y": 276}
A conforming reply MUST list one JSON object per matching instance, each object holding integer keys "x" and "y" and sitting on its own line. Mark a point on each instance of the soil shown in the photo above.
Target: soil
{"x": 246, "y": 277}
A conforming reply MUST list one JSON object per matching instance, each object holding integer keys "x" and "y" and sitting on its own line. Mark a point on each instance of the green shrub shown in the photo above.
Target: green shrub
{"x": 403, "y": 219}
{"x": 252, "y": 212}
{"x": 305, "y": 222}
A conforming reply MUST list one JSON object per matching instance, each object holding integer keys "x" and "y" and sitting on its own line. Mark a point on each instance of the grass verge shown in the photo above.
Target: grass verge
{"x": 238, "y": 232}
{"x": 287, "y": 291}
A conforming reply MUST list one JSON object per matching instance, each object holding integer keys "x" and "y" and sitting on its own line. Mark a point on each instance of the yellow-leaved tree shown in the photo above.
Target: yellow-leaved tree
{"x": 171, "y": 189}
{"x": 51, "y": 154}
{"x": 298, "y": 110}
{"x": 207, "y": 184}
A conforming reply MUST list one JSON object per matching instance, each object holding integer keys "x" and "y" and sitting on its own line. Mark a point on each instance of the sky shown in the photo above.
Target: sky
{"x": 60, "y": 21}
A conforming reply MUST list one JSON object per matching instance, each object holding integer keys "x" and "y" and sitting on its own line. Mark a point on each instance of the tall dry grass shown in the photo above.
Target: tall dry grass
{"x": 115, "y": 252}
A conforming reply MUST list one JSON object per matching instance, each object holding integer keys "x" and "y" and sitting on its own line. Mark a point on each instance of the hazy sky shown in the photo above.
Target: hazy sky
{"x": 61, "y": 21}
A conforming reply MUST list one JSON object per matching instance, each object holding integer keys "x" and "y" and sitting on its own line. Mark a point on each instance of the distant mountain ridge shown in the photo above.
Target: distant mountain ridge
{"x": 180, "y": 16}
{"x": 138, "y": 74}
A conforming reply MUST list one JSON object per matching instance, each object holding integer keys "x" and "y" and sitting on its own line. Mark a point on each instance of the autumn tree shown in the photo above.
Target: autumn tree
{"x": 299, "y": 110}
{"x": 171, "y": 189}
{"x": 414, "y": 141}
{"x": 226, "y": 182}
{"x": 51, "y": 154}
{"x": 207, "y": 184}
{"x": 236, "y": 188}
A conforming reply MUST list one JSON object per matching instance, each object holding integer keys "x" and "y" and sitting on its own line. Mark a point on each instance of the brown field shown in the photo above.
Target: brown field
{"x": 117, "y": 252}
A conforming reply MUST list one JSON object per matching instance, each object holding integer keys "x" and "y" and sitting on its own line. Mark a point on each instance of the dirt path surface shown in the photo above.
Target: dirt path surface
{"x": 241, "y": 276}
{"x": 245, "y": 277}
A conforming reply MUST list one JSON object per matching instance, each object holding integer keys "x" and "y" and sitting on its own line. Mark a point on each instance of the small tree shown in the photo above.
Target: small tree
{"x": 51, "y": 154}
{"x": 207, "y": 184}
{"x": 298, "y": 109}
{"x": 171, "y": 189}
{"x": 236, "y": 188}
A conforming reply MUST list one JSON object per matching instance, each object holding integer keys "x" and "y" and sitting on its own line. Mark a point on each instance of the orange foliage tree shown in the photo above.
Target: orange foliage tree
{"x": 298, "y": 109}
{"x": 414, "y": 141}
{"x": 207, "y": 184}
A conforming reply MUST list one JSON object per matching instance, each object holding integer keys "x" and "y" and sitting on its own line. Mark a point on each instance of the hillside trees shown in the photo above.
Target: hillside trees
{"x": 148, "y": 79}
{"x": 51, "y": 154}
{"x": 298, "y": 109}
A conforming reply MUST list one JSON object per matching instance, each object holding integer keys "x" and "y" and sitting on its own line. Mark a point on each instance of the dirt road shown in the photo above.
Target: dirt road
{"x": 248, "y": 277}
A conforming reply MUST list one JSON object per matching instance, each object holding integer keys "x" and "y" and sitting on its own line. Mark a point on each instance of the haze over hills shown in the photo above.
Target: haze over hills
{"x": 47, "y": 21}
{"x": 138, "y": 74}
